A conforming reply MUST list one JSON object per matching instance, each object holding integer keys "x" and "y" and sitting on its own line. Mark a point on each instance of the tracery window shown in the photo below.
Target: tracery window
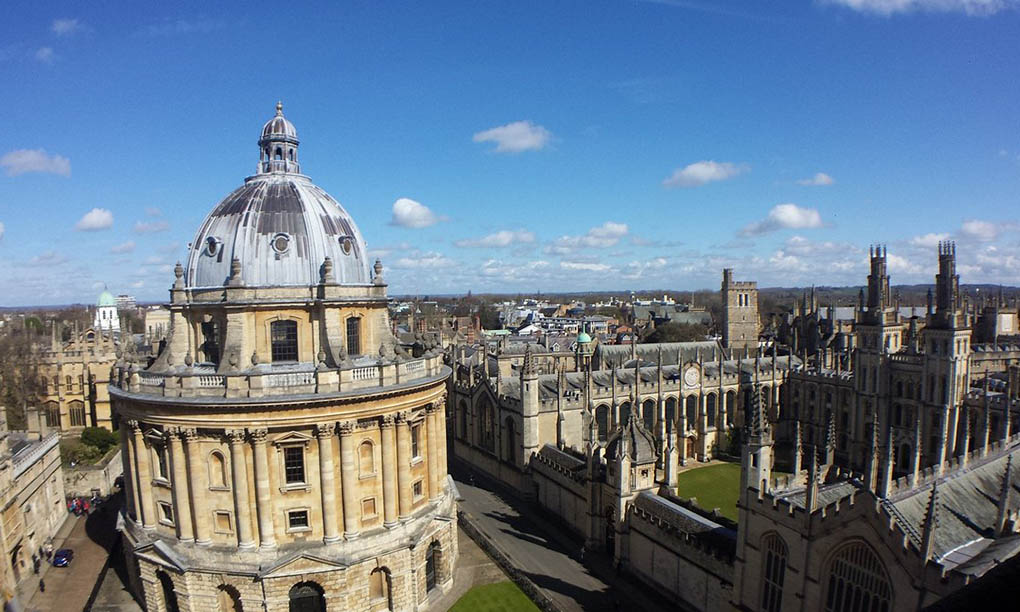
{"x": 77, "y": 413}
{"x": 857, "y": 581}
{"x": 774, "y": 572}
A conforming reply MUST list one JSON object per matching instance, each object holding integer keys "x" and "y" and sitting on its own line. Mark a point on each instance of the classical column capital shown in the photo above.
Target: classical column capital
{"x": 324, "y": 430}
{"x": 235, "y": 436}
{"x": 346, "y": 428}
{"x": 135, "y": 426}
{"x": 387, "y": 421}
{"x": 258, "y": 436}
{"x": 431, "y": 407}
{"x": 190, "y": 434}
{"x": 402, "y": 417}
{"x": 172, "y": 433}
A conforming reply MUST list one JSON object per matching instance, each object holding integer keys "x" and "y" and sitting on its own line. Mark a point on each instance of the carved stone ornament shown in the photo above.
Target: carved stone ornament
{"x": 235, "y": 436}
{"x": 190, "y": 434}
{"x": 324, "y": 430}
{"x": 346, "y": 428}
{"x": 254, "y": 358}
{"x": 187, "y": 359}
{"x": 134, "y": 425}
{"x": 387, "y": 421}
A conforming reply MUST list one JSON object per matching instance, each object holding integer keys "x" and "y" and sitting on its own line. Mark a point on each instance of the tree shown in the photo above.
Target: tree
{"x": 677, "y": 332}
{"x": 488, "y": 317}
{"x": 103, "y": 439}
{"x": 19, "y": 375}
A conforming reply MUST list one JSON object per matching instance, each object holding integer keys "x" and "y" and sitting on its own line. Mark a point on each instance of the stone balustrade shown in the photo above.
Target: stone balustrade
{"x": 266, "y": 381}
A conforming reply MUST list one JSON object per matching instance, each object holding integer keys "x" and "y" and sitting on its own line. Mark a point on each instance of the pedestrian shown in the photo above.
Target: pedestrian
{"x": 582, "y": 553}
{"x": 42, "y": 586}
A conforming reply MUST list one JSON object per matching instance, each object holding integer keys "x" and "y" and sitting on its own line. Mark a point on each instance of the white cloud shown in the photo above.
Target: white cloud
{"x": 820, "y": 179}
{"x": 928, "y": 241}
{"x": 890, "y": 7}
{"x": 702, "y": 172}
{"x": 62, "y": 27}
{"x": 47, "y": 258}
{"x": 584, "y": 266}
{"x": 23, "y": 161}
{"x": 94, "y": 220}
{"x": 604, "y": 236}
{"x": 151, "y": 227}
{"x": 45, "y": 55}
{"x": 516, "y": 137}
{"x": 125, "y": 247}
{"x": 502, "y": 238}
{"x": 784, "y": 216}
{"x": 982, "y": 231}
{"x": 152, "y": 211}
{"x": 409, "y": 213}
{"x": 429, "y": 260}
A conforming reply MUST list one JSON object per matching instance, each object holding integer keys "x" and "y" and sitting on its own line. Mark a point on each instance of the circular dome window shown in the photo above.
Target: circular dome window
{"x": 281, "y": 242}
{"x": 346, "y": 244}
{"x": 212, "y": 246}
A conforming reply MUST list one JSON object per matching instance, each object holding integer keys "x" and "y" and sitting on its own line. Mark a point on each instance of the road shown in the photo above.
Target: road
{"x": 542, "y": 551}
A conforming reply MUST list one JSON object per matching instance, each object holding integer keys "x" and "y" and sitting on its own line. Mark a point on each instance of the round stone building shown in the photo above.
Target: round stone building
{"x": 282, "y": 452}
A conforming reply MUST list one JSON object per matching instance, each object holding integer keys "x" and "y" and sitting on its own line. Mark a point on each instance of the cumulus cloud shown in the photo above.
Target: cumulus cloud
{"x": 702, "y": 172}
{"x": 929, "y": 240}
{"x": 820, "y": 179}
{"x": 62, "y": 27}
{"x": 502, "y": 238}
{"x": 890, "y": 7}
{"x": 784, "y": 216}
{"x": 409, "y": 213}
{"x": 47, "y": 258}
{"x": 151, "y": 227}
{"x": 124, "y": 247}
{"x": 23, "y": 161}
{"x": 153, "y": 211}
{"x": 604, "y": 236}
{"x": 584, "y": 266}
{"x": 516, "y": 137}
{"x": 982, "y": 231}
{"x": 430, "y": 260}
{"x": 45, "y": 55}
{"x": 95, "y": 220}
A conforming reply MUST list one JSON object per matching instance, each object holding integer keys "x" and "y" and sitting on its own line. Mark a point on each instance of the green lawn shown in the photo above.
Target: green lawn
{"x": 715, "y": 486}
{"x": 498, "y": 597}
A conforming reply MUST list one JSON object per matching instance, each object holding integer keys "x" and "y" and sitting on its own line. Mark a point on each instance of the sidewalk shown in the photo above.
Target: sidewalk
{"x": 30, "y": 585}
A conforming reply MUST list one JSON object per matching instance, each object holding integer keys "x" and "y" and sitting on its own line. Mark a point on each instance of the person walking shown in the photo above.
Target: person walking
{"x": 42, "y": 585}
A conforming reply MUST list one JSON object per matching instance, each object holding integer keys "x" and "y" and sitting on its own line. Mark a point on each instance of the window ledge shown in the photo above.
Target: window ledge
{"x": 297, "y": 486}
{"x": 219, "y": 488}
{"x": 166, "y": 522}
{"x": 299, "y": 529}
{"x": 161, "y": 482}
{"x": 417, "y": 460}
{"x": 367, "y": 476}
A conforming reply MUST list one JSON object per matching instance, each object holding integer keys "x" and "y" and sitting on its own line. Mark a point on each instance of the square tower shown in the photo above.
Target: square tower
{"x": 740, "y": 323}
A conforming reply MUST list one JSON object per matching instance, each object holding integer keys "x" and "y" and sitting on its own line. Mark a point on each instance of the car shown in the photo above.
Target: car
{"x": 62, "y": 558}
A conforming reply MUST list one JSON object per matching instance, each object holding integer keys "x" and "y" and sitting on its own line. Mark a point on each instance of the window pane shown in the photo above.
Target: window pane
{"x": 284, "y": 340}
{"x": 294, "y": 464}
{"x": 354, "y": 336}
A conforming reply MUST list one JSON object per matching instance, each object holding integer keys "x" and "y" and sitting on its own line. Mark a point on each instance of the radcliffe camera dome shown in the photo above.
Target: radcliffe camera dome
{"x": 279, "y": 225}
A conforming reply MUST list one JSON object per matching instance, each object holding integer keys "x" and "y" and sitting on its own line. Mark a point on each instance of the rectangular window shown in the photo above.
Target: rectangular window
{"x": 416, "y": 490}
{"x": 415, "y": 441}
{"x": 166, "y": 513}
{"x": 294, "y": 464}
{"x": 223, "y": 522}
{"x": 284, "y": 340}
{"x": 297, "y": 520}
{"x": 162, "y": 470}
{"x": 354, "y": 336}
{"x": 368, "y": 509}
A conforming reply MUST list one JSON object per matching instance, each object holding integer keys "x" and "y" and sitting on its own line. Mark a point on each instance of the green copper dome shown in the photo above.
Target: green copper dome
{"x": 583, "y": 337}
{"x": 106, "y": 299}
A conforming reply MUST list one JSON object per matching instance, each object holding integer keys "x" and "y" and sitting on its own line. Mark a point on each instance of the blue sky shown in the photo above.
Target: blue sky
{"x": 554, "y": 145}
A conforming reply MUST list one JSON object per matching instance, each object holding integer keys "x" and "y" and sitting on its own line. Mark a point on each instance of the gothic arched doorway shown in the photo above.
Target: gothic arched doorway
{"x": 307, "y": 597}
{"x": 169, "y": 595}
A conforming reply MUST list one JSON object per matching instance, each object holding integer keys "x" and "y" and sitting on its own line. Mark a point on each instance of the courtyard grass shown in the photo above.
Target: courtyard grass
{"x": 715, "y": 486}
{"x": 496, "y": 597}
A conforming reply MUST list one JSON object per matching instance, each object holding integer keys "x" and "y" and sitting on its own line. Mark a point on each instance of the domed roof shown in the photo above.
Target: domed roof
{"x": 106, "y": 299}
{"x": 280, "y": 227}
{"x": 279, "y": 128}
{"x": 583, "y": 337}
{"x": 632, "y": 440}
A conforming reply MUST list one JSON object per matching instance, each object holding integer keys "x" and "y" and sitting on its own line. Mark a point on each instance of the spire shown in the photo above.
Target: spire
{"x": 871, "y": 475}
{"x": 528, "y": 370}
{"x": 812, "y": 488}
{"x": 931, "y": 522}
{"x": 798, "y": 448}
{"x": 1007, "y": 484}
{"x": 830, "y": 439}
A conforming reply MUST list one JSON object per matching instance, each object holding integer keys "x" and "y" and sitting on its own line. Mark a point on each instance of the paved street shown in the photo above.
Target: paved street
{"x": 550, "y": 560}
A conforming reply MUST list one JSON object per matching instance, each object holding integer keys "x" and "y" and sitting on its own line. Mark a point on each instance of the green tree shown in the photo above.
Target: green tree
{"x": 489, "y": 317}
{"x": 677, "y": 332}
{"x": 102, "y": 439}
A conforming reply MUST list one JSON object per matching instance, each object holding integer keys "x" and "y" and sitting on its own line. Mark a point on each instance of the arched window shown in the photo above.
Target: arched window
{"x": 290, "y": 154}
{"x": 710, "y": 409}
{"x": 77, "y": 413}
{"x": 307, "y": 597}
{"x": 692, "y": 411}
{"x": 278, "y": 154}
{"x": 379, "y": 587}
{"x": 217, "y": 470}
{"x": 354, "y": 336}
{"x": 624, "y": 413}
{"x": 284, "y": 340}
{"x": 487, "y": 425}
{"x": 463, "y": 420}
{"x": 648, "y": 414}
{"x": 53, "y": 414}
{"x": 169, "y": 595}
{"x": 70, "y": 385}
{"x": 228, "y": 598}
{"x": 366, "y": 458}
{"x": 431, "y": 565}
{"x": 773, "y": 573}
{"x": 602, "y": 422}
{"x": 857, "y": 581}
{"x": 511, "y": 441}
{"x": 670, "y": 415}
{"x": 210, "y": 345}
{"x": 162, "y": 465}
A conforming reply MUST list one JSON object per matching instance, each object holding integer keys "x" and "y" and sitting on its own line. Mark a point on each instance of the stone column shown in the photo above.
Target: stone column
{"x": 431, "y": 439}
{"x": 127, "y": 457}
{"x": 239, "y": 475}
{"x": 327, "y": 476}
{"x": 441, "y": 443}
{"x": 403, "y": 466}
{"x": 349, "y": 483}
{"x": 198, "y": 479}
{"x": 179, "y": 487}
{"x": 389, "y": 458}
{"x": 263, "y": 493}
{"x": 144, "y": 485}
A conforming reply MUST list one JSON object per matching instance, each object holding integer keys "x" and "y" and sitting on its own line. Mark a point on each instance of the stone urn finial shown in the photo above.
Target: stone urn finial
{"x": 378, "y": 269}
{"x": 178, "y": 276}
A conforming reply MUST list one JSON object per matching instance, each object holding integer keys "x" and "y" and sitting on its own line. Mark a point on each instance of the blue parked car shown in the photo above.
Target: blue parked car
{"x": 62, "y": 558}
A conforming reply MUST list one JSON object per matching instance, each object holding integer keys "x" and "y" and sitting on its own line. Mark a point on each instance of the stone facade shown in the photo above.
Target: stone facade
{"x": 740, "y": 324}
{"x": 76, "y": 374}
{"x": 282, "y": 449}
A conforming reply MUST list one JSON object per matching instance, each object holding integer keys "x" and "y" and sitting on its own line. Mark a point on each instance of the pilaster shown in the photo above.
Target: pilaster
{"x": 327, "y": 474}
{"x": 349, "y": 476}
{"x": 239, "y": 474}
{"x": 263, "y": 495}
{"x": 179, "y": 487}
{"x": 198, "y": 480}
{"x": 389, "y": 453}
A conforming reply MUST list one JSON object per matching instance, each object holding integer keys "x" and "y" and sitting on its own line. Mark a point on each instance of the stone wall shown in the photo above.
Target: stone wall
{"x": 83, "y": 480}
